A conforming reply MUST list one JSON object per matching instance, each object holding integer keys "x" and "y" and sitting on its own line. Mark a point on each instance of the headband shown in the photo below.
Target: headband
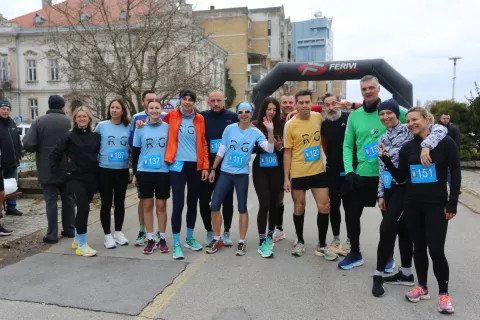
{"x": 246, "y": 105}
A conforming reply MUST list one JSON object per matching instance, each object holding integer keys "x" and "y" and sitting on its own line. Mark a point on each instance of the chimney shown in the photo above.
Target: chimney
{"x": 212, "y": 7}
{"x": 46, "y": 3}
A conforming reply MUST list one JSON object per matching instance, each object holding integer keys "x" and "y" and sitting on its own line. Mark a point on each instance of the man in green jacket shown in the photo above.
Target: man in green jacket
{"x": 364, "y": 128}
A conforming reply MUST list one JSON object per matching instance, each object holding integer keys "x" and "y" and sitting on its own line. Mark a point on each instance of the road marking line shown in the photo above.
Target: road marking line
{"x": 153, "y": 309}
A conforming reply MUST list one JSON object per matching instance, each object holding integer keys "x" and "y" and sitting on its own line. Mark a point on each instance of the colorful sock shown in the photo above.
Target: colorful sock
{"x": 76, "y": 234}
{"x": 163, "y": 235}
{"x": 262, "y": 238}
{"x": 176, "y": 238}
{"x": 189, "y": 233}
{"x": 142, "y": 227}
{"x": 82, "y": 239}
{"x": 150, "y": 236}
{"x": 406, "y": 271}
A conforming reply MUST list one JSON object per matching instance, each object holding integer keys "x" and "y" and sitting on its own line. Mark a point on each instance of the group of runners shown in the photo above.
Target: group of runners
{"x": 372, "y": 157}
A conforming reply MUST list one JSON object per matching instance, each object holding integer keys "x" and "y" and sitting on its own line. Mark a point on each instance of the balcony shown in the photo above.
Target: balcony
{"x": 256, "y": 72}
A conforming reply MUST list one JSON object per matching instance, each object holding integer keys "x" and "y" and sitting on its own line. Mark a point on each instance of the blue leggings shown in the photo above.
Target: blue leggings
{"x": 224, "y": 185}
{"x": 192, "y": 178}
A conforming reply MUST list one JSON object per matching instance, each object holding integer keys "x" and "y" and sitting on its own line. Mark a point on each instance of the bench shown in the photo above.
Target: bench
{"x": 15, "y": 195}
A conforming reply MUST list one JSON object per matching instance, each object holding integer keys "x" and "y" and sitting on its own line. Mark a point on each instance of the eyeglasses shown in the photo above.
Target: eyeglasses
{"x": 244, "y": 112}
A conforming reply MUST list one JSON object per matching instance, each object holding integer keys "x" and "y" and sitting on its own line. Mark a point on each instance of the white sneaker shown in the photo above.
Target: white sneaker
{"x": 120, "y": 238}
{"x": 109, "y": 243}
{"x": 278, "y": 235}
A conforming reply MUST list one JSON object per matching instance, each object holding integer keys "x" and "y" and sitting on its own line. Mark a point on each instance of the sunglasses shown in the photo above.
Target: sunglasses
{"x": 244, "y": 112}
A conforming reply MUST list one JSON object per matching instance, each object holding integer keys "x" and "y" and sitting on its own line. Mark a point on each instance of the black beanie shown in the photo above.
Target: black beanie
{"x": 392, "y": 105}
{"x": 56, "y": 102}
{"x": 5, "y": 103}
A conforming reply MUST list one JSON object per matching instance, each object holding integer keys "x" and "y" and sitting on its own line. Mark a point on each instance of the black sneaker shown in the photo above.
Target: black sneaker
{"x": 401, "y": 279}
{"x": 49, "y": 241}
{"x": 150, "y": 247}
{"x": 5, "y": 232}
{"x": 14, "y": 212}
{"x": 378, "y": 290}
{"x": 241, "y": 249}
{"x": 67, "y": 235}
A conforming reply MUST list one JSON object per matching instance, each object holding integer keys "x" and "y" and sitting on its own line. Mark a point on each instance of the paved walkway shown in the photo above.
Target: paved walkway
{"x": 470, "y": 196}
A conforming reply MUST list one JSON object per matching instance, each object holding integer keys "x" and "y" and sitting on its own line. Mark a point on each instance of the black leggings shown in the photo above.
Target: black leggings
{"x": 394, "y": 223}
{"x": 206, "y": 192}
{"x": 113, "y": 184}
{"x": 428, "y": 228}
{"x": 335, "y": 182}
{"x": 81, "y": 190}
{"x": 268, "y": 183}
{"x": 192, "y": 178}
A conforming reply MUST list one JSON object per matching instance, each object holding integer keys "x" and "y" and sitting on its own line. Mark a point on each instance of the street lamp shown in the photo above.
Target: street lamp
{"x": 454, "y": 74}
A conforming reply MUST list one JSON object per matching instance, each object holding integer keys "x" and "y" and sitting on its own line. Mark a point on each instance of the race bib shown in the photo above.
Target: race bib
{"x": 311, "y": 154}
{"x": 423, "y": 174}
{"x": 268, "y": 160}
{"x": 237, "y": 159}
{"x": 387, "y": 179}
{"x": 214, "y": 144}
{"x": 152, "y": 161}
{"x": 117, "y": 155}
{"x": 370, "y": 150}
{"x": 177, "y": 166}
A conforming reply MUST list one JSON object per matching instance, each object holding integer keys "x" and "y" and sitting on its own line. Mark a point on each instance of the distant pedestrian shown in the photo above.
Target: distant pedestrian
{"x": 453, "y": 130}
{"x": 41, "y": 139}
{"x": 3, "y": 231}
{"x": 11, "y": 150}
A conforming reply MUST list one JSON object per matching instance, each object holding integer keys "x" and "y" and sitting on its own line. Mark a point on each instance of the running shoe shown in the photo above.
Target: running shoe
{"x": 163, "y": 246}
{"x": 5, "y": 232}
{"x": 109, "y": 242}
{"x": 150, "y": 247}
{"x": 378, "y": 290}
{"x": 445, "y": 304}
{"x": 325, "y": 252}
{"x": 346, "y": 248}
{"x": 120, "y": 239}
{"x": 278, "y": 235}
{"x": 214, "y": 246}
{"x": 390, "y": 267}
{"x": 227, "y": 240}
{"x": 417, "y": 294}
{"x": 75, "y": 244}
{"x": 192, "y": 244}
{"x": 351, "y": 261}
{"x": 298, "y": 250}
{"x": 270, "y": 242}
{"x": 241, "y": 249}
{"x": 85, "y": 251}
{"x": 335, "y": 246}
{"x": 400, "y": 278}
{"x": 264, "y": 250}
{"x": 142, "y": 236}
{"x": 208, "y": 238}
{"x": 177, "y": 252}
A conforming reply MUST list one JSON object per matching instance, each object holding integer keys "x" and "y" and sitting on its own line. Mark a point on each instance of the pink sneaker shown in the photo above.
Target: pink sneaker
{"x": 417, "y": 294}
{"x": 278, "y": 235}
{"x": 445, "y": 304}
{"x": 163, "y": 246}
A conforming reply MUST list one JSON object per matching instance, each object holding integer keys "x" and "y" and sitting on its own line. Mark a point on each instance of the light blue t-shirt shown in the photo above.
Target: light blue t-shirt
{"x": 113, "y": 145}
{"x": 187, "y": 142}
{"x": 239, "y": 146}
{"x": 152, "y": 139}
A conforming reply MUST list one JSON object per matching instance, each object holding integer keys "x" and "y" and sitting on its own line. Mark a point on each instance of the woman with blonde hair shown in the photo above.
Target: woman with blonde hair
{"x": 81, "y": 147}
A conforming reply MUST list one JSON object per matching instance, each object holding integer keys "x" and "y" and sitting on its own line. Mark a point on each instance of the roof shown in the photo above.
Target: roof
{"x": 267, "y": 10}
{"x": 55, "y": 15}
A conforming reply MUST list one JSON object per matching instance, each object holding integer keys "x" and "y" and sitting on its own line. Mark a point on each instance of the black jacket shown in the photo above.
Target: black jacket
{"x": 11, "y": 144}
{"x": 453, "y": 132}
{"x": 42, "y": 138}
{"x": 81, "y": 148}
{"x": 445, "y": 156}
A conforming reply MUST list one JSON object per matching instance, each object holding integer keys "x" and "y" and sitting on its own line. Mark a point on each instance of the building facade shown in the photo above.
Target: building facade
{"x": 256, "y": 40}
{"x": 312, "y": 40}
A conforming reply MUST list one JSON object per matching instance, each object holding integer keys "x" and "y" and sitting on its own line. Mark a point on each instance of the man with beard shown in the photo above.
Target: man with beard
{"x": 333, "y": 133}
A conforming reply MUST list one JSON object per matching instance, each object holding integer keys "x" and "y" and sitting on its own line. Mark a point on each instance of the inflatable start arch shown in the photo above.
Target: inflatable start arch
{"x": 400, "y": 88}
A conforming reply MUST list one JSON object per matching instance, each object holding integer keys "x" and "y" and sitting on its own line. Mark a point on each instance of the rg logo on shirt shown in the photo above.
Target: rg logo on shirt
{"x": 306, "y": 137}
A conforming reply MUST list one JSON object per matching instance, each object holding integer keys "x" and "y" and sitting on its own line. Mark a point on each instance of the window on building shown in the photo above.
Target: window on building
{"x": 269, "y": 27}
{"x": 84, "y": 17}
{"x": 33, "y": 104}
{"x": 31, "y": 70}
{"x": 39, "y": 19}
{"x": 123, "y": 15}
{"x": 54, "y": 72}
{"x": 3, "y": 69}
{"x": 249, "y": 42}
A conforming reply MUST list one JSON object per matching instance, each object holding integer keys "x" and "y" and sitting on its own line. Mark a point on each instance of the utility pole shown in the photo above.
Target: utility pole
{"x": 454, "y": 74}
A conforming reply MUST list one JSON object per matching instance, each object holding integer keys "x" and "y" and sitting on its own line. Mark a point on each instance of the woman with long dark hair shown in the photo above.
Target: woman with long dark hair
{"x": 268, "y": 176}
{"x": 113, "y": 172}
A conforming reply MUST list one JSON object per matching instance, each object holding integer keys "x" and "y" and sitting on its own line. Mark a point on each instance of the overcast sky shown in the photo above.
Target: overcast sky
{"x": 415, "y": 36}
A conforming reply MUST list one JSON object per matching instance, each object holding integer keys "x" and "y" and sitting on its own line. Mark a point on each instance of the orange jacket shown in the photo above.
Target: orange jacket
{"x": 174, "y": 119}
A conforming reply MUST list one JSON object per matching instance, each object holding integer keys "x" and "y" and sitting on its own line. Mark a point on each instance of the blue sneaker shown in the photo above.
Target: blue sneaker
{"x": 351, "y": 261}
{"x": 177, "y": 252}
{"x": 390, "y": 267}
{"x": 208, "y": 238}
{"x": 227, "y": 240}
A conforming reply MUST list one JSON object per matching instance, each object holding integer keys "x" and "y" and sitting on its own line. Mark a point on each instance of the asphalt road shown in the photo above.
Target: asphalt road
{"x": 124, "y": 283}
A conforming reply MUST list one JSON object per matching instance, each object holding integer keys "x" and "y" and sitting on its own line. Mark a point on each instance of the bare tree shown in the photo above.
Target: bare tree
{"x": 123, "y": 47}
